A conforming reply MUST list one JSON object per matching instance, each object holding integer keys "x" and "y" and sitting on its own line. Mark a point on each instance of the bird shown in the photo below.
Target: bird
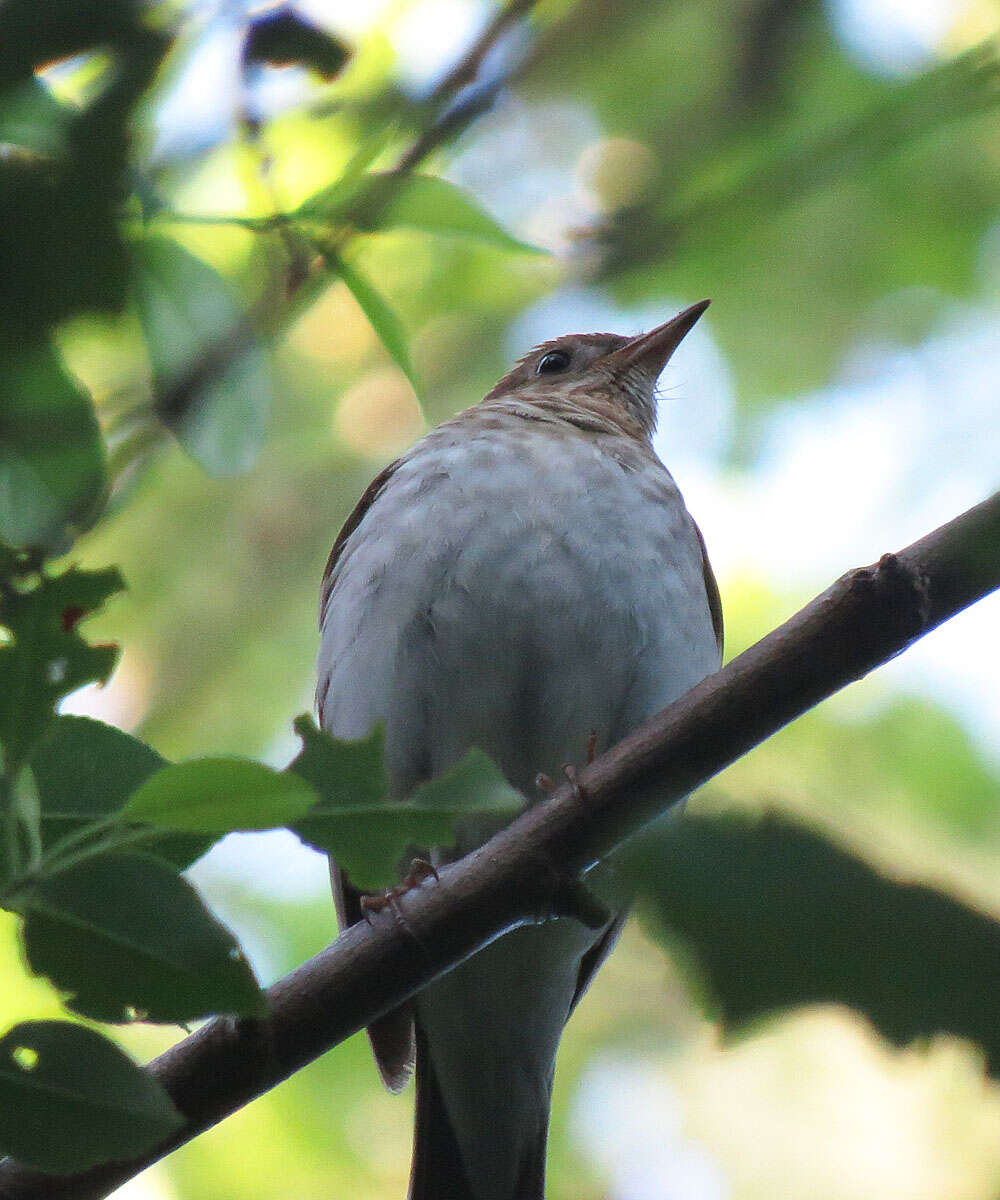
{"x": 525, "y": 580}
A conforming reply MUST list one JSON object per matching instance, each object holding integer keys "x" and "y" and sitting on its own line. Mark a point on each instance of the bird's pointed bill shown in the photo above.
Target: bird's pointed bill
{"x": 653, "y": 350}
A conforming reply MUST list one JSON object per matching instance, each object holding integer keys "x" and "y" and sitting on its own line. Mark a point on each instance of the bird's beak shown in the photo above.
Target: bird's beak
{"x": 651, "y": 351}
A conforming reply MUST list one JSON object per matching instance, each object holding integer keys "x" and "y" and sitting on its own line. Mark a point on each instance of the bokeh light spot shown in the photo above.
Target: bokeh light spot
{"x": 379, "y": 415}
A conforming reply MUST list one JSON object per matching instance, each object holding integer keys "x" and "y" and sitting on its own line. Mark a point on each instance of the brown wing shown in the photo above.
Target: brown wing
{"x": 712, "y": 591}
{"x": 368, "y": 498}
{"x": 391, "y": 1036}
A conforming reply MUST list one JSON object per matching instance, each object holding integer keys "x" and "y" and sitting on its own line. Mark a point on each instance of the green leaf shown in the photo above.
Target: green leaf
{"x": 124, "y": 935}
{"x": 369, "y": 833}
{"x": 60, "y": 241}
{"x": 215, "y": 401}
{"x": 473, "y": 785}
{"x": 32, "y": 118}
{"x": 425, "y": 202}
{"x": 434, "y": 205}
{"x": 282, "y": 38}
{"x": 774, "y": 916}
{"x": 52, "y": 462}
{"x": 342, "y": 773}
{"x": 85, "y": 770}
{"x": 70, "y": 1099}
{"x": 47, "y": 658}
{"x": 219, "y": 795}
{"x": 383, "y": 319}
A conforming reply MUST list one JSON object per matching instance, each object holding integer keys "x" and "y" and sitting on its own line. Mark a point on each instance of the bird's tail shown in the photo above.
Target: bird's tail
{"x": 438, "y": 1172}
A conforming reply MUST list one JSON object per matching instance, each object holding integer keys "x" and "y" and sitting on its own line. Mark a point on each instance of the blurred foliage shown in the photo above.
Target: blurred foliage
{"x": 216, "y": 313}
{"x": 801, "y": 922}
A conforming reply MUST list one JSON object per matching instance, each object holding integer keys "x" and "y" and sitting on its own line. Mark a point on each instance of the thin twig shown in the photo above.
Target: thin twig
{"x": 467, "y": 69}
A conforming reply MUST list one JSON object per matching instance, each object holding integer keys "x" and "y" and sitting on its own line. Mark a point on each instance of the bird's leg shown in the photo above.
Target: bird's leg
{"x": 420, "y": 869}
{"x": 591, "y": 747}
{"x": 579, "y": 795}
{"x": 375, "y": 902}
{"x": 547, "y": 784}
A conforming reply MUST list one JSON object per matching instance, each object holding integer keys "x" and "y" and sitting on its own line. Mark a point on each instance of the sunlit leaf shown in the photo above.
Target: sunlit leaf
{"x": 124, "y": 935}
{"x": 217, "y": 795}
{"x": 435, "y": 205}
{"x": 373, "y": 201}
{"x": 775, "y": 916}
{"x": 368, "y": 833}
{"x": 70, "y": 1099}
{"x": 210, "y": 372}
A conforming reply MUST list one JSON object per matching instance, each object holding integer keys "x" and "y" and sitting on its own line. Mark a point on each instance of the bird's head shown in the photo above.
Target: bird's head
{"x": 606, "y": 367}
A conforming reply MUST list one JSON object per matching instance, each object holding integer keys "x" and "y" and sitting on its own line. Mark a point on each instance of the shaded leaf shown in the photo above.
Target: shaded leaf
{"x": 124, "y": 935}
{"x": 219, "y": 795}
{"x": 775, "y": 916}
{"x": 343, "y": 773}
{"x": 475, "y": 784}
{"x": 52, "y": 462}
{"x": 33, "y": 119}
{"x": 47, "y": 658}
{"x": 85, "y": 770}
{"x": 70, "y": 1099}
{"x": 60, "y": 241}
{"x": 284, "y": 38}
{"x": 367, "y": 832}
{"x": 215, "y": 401}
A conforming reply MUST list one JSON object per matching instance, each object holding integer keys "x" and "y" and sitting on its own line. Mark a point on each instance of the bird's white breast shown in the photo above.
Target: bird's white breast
{"x": 515, "y": 585}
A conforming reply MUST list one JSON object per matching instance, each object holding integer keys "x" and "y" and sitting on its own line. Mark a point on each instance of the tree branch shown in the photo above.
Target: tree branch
{"x": 529, "y": 870}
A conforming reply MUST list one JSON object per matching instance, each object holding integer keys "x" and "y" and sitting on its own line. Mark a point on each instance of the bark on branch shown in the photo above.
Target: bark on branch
{"x": 528, "y": 871}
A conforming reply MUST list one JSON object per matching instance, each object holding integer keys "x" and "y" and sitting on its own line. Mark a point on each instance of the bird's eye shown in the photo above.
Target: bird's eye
{"x": 555, "y": 360}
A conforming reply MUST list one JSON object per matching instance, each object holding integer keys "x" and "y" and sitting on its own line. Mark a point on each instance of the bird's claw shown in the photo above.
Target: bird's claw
{"x": 579, "y": 795}
{"x": 376, "y": 902}
{"x": 420, "y": 869}
{"x": 546, "y": 783}
{"x": 591, "y": 747}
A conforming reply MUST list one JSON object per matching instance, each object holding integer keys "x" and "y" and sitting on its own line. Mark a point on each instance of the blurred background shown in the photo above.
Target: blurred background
{"x": 829, "y": 173}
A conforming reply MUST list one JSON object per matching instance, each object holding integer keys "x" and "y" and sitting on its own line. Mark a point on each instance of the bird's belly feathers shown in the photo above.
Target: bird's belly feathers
{"x": 461, "y": 617}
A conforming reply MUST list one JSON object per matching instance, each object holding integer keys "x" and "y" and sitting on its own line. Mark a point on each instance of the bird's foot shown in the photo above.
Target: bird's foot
{"x": 547, "y": 784}
{"x": 420, "y": 869}
{"x": 376, "y": 902}
{"x": 579, "y": 795}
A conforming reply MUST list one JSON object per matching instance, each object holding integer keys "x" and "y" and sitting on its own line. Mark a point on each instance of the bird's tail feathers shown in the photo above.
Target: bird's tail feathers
{"x": 438, "y": 1172}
